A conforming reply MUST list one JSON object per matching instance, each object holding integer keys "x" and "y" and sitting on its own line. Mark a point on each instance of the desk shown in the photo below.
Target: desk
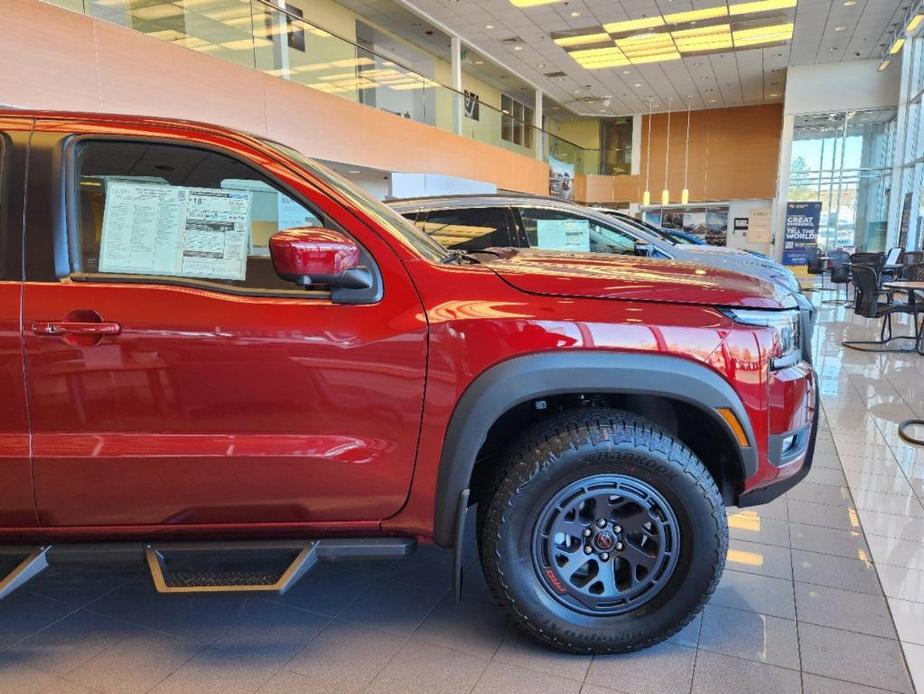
{"x": 902, "y": 286}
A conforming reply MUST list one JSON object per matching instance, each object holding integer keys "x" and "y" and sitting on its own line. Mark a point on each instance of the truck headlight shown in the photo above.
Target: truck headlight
{"x": 785, "y": 324}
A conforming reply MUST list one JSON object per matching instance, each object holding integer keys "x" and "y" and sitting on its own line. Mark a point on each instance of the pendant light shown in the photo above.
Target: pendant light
{"x": 646, "y": 196}
{"x": 666, "y": 194}
{"x": 685, "y": 193}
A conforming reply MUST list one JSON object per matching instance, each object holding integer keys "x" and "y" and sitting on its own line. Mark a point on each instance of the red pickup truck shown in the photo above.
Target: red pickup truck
{"x": 215, "y": 350}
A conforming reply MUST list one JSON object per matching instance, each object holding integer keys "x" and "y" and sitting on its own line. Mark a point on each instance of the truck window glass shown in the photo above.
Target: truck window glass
{"x": 157, "y": 209}
{"x": 557, "y": 230}
{"x": 467, "y": 230}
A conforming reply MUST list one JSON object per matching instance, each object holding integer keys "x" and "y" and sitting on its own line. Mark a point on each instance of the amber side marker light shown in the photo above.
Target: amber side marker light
{"x": 735, "y": 425}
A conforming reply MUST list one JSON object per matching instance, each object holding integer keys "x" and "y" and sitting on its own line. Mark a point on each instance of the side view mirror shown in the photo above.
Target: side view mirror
{"x": 311, "y": 255}
{"x": 643, "y": 248}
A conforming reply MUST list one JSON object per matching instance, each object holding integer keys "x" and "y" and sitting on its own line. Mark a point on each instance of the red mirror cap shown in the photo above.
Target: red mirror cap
{"x": 308, "y": 252}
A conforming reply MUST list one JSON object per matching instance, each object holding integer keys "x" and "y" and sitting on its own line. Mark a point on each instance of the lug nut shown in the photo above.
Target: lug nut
{"x": 587, "y": 532}
{"x": 601, "y": 523}
{"x": 617, "y": 529}
{"x": 618, "y": 546}
{"x": 588, "y": 549}
{"x": 605, "y": 556}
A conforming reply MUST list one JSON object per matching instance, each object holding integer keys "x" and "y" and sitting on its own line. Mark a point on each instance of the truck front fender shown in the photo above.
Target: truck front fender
{"x": 534, "y": 377}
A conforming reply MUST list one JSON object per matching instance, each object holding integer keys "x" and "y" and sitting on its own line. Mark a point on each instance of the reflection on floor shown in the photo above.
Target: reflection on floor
{"x": 824, "y": 593}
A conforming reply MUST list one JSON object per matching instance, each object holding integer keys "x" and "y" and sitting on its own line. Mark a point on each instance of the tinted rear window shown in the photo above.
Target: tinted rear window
{"x": 468, "y": 230}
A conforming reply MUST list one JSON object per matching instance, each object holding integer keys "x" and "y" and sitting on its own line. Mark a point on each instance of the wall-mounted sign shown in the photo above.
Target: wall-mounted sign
{"x": 472, "y": 105}
{"x": 561, "y": 179}
{"x": 758, "y": 225}
{"x": 800, "y": 230}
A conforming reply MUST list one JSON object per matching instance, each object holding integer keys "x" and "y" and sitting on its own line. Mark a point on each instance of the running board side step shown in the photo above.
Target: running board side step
{"x": 30, "y": 567}
{"x": 257, "y": 566}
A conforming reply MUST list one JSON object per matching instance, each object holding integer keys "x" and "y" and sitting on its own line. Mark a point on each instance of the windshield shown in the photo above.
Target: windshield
{"x": 650, "y": 228}
{"x": 394, "y": 223}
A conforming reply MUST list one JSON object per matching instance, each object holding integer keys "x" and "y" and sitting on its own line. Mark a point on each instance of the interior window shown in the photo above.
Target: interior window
{"x": 556, "y": 230}
{"x": 468, "y": 230}
{"x": 169, "y": 210}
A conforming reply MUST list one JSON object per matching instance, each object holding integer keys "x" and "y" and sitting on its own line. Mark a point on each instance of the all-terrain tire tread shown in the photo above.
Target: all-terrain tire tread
{"x": 540, "y": 447}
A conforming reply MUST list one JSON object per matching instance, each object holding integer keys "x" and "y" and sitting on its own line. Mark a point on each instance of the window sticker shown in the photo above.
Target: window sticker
{"x": 151, "y": 229}
{"x": 563, "y": 235}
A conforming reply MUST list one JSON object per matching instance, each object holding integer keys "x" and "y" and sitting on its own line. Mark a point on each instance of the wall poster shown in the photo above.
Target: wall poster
{"x": 800, "y": 230}
{"x": 472, "y": 105}
{"x": 758, "y": 225}
{"x": 561, "y": 179}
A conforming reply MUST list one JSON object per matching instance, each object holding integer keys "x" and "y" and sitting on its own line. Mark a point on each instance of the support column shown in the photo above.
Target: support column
{"x": 778, "y": 215}
{"x": 455, "y": 49}
{"x": 537, "y": 124}
{"x": 901, "y": 155}
{"x": 280, "y": 39}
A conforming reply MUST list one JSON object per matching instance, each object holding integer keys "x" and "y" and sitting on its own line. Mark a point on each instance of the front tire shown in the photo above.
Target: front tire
{"x": 602, "y": 533}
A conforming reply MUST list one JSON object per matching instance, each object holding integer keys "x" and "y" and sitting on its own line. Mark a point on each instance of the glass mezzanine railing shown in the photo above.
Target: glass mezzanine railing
{"x": 258, "y": 35}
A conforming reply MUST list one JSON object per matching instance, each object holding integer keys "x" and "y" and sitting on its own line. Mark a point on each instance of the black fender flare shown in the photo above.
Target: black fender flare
{"x": 533, "y": 377}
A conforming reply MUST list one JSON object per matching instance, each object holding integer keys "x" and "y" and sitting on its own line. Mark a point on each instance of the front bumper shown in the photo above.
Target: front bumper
{"x": 791, "y": 454}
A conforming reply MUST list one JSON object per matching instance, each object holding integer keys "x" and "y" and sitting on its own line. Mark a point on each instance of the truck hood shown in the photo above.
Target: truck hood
{"x": 629, "y": 278}
{"x": 740, "y": 261}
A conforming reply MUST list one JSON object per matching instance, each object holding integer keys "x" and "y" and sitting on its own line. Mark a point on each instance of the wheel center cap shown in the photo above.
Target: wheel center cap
{"x": 604, "y": 540}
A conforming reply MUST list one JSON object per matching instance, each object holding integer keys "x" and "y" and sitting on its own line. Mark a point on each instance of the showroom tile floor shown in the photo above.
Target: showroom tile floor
{"x": 823, "y": 594}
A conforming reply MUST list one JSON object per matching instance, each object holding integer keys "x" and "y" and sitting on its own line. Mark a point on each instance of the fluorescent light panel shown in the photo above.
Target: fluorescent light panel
{"x": 661, "y": 44}
{"x": 583, "y": 39}
{"x": 759, "y": 35}
{"x": 760, "y": 6}
{"x": 896, "y": 45}
{"x": 696, "y": 15}
{"x": 634, "y": 25}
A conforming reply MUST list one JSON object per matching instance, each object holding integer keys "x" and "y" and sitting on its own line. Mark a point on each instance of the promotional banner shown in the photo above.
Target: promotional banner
{"x": 561, "y": 179}
{"x": 800, "y": 230}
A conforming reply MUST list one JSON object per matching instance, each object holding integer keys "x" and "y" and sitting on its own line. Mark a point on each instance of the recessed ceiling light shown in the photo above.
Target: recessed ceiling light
{"x": 712, "y": 101}
{"x": 354, "y": 171}
{"x": 839, "y": 28}
{"x": 774, "y": 94}
{"x": 850, "y": 3}
{"x": 575, "y": 14}
{"x": 541, "y": 65}
{"x": 488, "y": 26}
{"x": 627, "y": 72}
{"x": 638, "y": 84}
{"x": 479, "y": 62}
{"x": 518, "y": 48}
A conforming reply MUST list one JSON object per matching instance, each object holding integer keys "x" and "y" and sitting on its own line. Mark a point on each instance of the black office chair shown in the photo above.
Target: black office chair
{"x": 868, "y": 305}
{"x": 840, "y": 275}
{"x": 910, "y": 258}
{"x": 814, "y": 265}
{"x": 874, "y": 260}
{"x": 915, "y": 272}
{"x": 892, "y": 265}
